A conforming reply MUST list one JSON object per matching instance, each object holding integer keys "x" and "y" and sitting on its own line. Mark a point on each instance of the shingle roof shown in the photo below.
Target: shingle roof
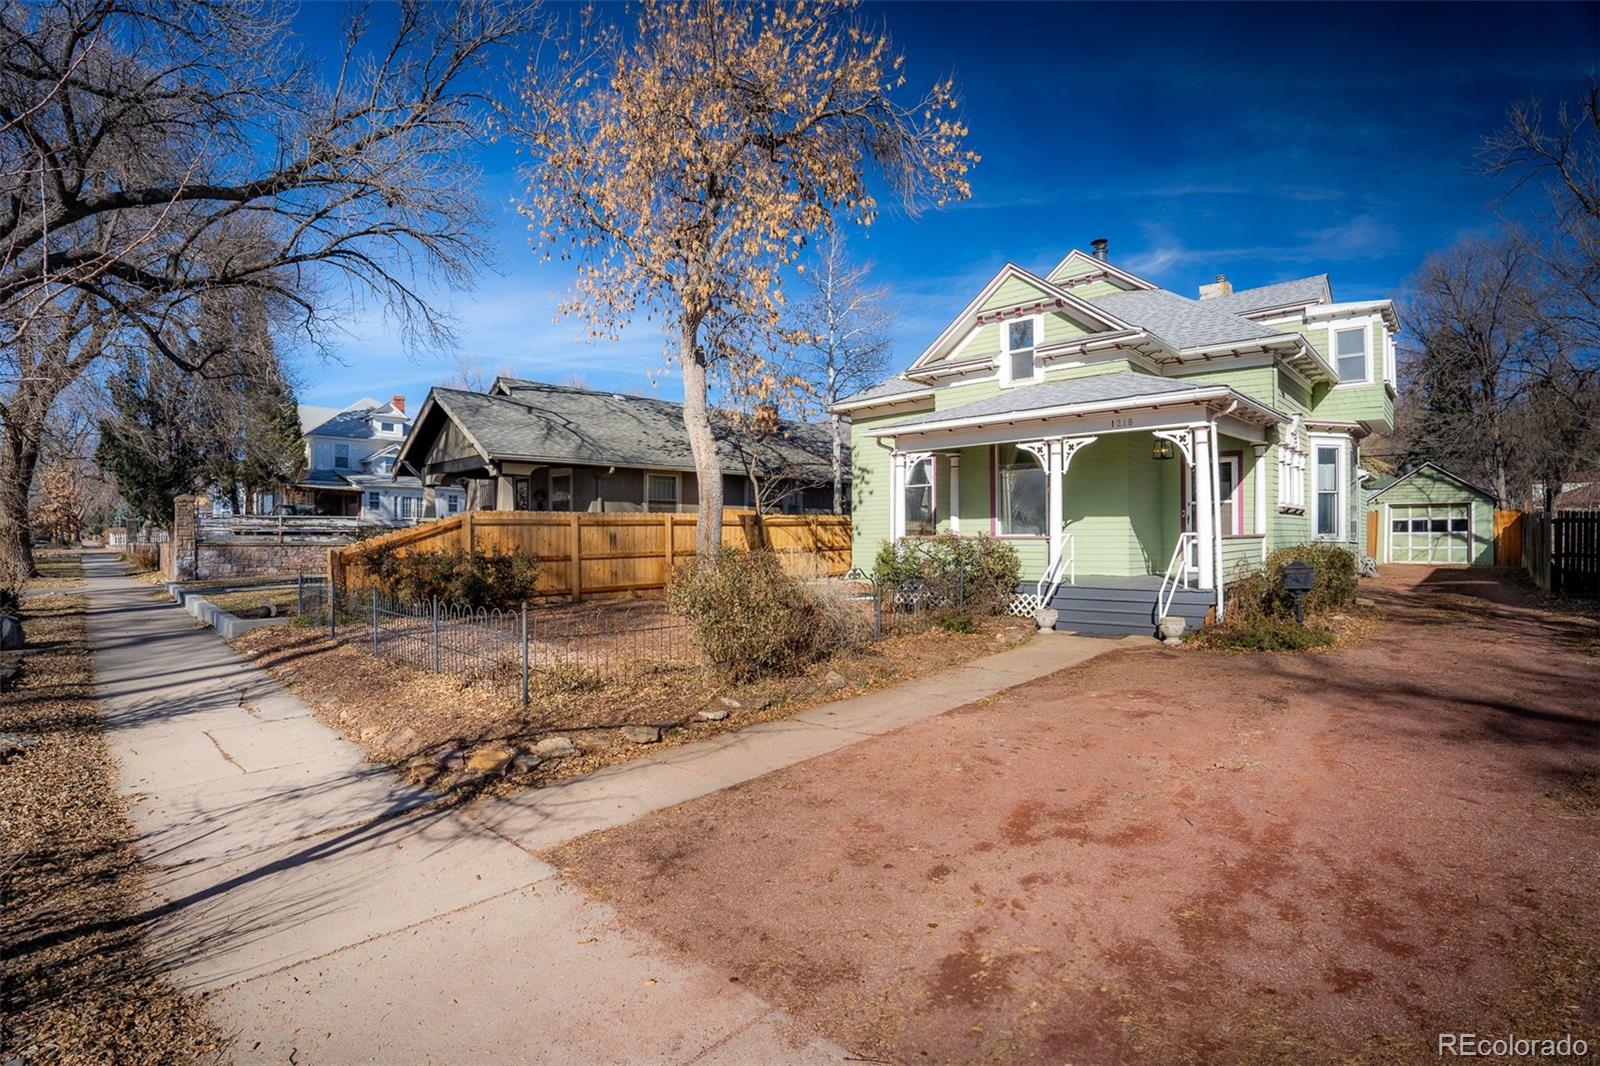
{"x": 1283, "y": 294}
{"x": 353, "y": 423}
{"x": 894, "y": 386}
{"x": 554, "y": 423}
{"x": 1179, "y": 321}
{"x": 1096, "y": 388}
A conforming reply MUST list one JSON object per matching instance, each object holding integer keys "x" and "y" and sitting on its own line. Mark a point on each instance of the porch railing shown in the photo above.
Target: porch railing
{"x": 1064, "y": 563}
{"x": 1179, "y": 569}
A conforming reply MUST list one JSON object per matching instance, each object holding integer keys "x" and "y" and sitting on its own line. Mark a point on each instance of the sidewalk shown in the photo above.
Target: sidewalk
{"x": 335, "y": 915}
{"x": 539, "y": 819}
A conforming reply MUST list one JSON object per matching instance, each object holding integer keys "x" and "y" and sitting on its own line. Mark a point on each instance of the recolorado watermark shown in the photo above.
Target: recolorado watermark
{"x": 1473, "y": 1046}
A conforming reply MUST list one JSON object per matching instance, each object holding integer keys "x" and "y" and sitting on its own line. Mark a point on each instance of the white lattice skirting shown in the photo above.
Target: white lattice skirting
{"x": 1023, "y": 604}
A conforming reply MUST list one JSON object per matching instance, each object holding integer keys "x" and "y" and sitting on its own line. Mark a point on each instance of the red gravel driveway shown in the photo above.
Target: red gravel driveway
{"x": 1177, "y": 855}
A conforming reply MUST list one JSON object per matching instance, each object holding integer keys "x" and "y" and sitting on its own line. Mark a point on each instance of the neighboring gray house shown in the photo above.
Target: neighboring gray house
{"x": 530, "y": 446}
{"x": 350, "y": 456}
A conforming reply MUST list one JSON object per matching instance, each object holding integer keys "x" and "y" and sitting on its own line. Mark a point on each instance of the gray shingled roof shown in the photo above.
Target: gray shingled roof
{"x": 1285, "y": 293}
{"x": 894, "y": 386}
{"x": 352, "y": 423}
{"x": 1096, "y": 388}
{"x": 558, "y": 424}
{"x": 1179, "y": 321}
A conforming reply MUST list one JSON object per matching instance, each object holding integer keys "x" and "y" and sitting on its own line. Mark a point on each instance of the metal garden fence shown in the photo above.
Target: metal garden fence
{"x": 907, "y": 607}
{"x": 509, "y": 652}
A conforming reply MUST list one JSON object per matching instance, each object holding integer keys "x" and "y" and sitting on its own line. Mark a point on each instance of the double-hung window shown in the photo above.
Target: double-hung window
{"x": 661, "y": 492}
{"x": 374, "y": 502}
{"x": 453, "y": 502}
{"x": 1350, "y": 354}
{"x": 1328, "y": 491}
{"x": 921, "y": 520}
{"x": 341, "y": 456}
{"x": 1020, "y": 492}
{"x": 1020, "y": 337}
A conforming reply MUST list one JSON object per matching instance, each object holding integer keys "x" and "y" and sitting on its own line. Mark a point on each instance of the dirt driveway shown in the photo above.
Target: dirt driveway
{"x": 1174, "y": 855}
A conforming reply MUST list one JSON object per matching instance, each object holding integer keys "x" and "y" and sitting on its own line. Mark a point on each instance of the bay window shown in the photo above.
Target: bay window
{"x": 1020, "y": 493}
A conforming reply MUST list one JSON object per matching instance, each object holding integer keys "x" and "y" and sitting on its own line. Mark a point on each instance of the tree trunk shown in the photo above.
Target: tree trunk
{"x": 838, "y": 468}
{"x": 707, "y": 464}
{"x": 19, "y": 456}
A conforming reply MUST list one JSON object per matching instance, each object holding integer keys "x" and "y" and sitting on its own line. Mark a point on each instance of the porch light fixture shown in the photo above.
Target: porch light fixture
{"x": 1163, "y": 449}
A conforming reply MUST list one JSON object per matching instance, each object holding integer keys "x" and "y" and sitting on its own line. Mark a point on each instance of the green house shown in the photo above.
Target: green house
{"x": 1139, "y": 448}
{"x": 1430, "y": 515}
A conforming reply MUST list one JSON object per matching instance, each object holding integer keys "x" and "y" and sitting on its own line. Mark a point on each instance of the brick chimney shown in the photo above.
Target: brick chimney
{"x": 398, "y": 403}
{"x": 1223, "y": 287}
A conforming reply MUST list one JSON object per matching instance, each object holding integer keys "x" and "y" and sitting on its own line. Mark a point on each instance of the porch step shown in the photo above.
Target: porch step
{"x": 1124, "y": 611}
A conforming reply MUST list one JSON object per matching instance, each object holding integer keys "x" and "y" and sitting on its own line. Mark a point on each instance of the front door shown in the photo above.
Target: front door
{"x": 1230, "y": 516}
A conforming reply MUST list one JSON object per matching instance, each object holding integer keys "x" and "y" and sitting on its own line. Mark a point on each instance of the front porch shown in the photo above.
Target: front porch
{"x": 1119, "y": 516}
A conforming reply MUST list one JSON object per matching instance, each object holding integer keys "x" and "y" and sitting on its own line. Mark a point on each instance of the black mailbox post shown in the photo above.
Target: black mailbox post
{"x": 1297, "y": 579}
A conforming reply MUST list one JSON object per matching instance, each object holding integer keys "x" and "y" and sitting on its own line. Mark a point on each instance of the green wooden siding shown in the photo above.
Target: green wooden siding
{"x": 1427, "y": 487}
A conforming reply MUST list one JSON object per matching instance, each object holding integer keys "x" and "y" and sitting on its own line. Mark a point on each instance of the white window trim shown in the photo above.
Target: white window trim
{"x": 1006, "y": 380}
{"x": 677, "y": 489}
{"x": 1365, "y": 324}
{"x": 1291, "y": 475}
{"x": 997, "y": 524}
{"x": 1341, "y": 517}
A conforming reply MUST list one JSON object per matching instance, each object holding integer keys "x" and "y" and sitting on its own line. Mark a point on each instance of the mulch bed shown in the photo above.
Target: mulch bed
{"x": 402, "y": 715}
{"x": 76, "y": 985}
{"x": 1171, "y": 856}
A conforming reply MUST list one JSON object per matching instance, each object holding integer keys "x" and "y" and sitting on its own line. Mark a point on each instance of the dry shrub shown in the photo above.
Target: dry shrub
{"x": 142, "y": 556}
{"x": 1258, "y": 595}
{"x": 477, "y": 579}
{"x": 754, "y": 620}
{"x": 979, "y": 573}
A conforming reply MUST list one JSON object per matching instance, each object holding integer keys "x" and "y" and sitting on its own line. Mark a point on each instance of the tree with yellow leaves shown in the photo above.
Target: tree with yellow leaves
{"x": 684, "y": 166}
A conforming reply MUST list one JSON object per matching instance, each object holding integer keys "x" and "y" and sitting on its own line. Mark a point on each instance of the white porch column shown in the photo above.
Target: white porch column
{"x": 955, "y": 493}
{"x": 1053, "y": 475}
{"x": 1258, "y": 474}
{"x": 1205, "y": 506}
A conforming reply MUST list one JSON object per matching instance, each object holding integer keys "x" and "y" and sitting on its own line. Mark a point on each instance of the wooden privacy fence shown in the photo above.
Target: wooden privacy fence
{"x": 1508, "y": 538}
{"x": 587, "y": 553}
{"x": 1575, "y": 553}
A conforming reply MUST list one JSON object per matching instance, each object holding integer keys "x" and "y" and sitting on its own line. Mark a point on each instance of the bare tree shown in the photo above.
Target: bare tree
{"x": 841, "y": 337}
{"x": 471, "y": 375}
{"x": 155, "y": 151}
{"x": 685, "y": 164}
{"x": 779, "y": 458}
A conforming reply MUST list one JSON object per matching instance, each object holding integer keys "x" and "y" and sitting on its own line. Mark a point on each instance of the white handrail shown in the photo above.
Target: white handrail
{"x": 1177, "y": 571}
{"x": 1067, "y": 558}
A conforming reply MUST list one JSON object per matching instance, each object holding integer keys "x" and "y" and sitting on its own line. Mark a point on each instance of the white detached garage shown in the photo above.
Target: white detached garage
{"x": 1430, "y": 515}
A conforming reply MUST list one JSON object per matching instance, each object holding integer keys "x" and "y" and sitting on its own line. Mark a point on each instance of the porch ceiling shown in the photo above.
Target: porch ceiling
{"x": 1074, "y": 396}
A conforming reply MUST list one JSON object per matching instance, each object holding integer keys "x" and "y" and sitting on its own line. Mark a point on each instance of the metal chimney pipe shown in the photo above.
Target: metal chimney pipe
{"x": 1100, "y": 246}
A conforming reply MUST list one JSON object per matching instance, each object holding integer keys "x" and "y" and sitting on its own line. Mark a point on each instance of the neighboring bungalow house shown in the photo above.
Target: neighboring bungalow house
{"x": 350, "y": 458}
{"x": 1429, "y": 515}
{"x": 1136, "y": 446}
{"x": 530, "y": 446}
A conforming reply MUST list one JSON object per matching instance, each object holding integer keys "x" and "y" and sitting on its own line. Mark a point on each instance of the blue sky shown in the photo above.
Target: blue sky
{"x": 1261, "y": 141}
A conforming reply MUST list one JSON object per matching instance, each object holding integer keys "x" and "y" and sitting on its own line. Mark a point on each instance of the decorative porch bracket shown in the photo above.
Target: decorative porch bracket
{"x": 1183, "y": 438}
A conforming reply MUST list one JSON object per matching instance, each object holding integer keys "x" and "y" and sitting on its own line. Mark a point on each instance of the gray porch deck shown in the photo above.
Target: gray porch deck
{"x": 1124, "y": 605}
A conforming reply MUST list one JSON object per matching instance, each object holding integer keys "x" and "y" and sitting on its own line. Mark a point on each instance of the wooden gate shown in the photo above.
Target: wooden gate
{"x": 1508, "y": 538}
{"x": 1575, "y": 553}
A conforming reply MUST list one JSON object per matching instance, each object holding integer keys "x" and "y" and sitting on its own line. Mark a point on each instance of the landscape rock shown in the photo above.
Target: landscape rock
{"x": 555, "y": 748}
{"x": 641, "y": 734}
{"x": 8, "y": 677}
{"x": 1364, "y": 601}
{"x": 730, "y": 703}
{"x": 833, "y": 681}
{"x": 402, "y": 741}
{"x": 525, "y": 762}
{"x": 713, "y": 714}
{"x": 449, "y": 758}
{"x": 10, "y": 633}
{"x": 421, "y": 769}
{"x": 12, "y": 744}
{"x": 495, "y": 758}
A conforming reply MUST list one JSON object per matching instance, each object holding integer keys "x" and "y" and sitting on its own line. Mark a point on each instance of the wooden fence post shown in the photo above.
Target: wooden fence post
{"x": 575, "y": 560}
{"x": 666, "y": 527}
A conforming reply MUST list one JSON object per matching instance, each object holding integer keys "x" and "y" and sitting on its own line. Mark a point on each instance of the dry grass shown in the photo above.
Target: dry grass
{"x": 76, "y": 985}
{"x": 282, "y": 600}
{"x": 396, "y": 711}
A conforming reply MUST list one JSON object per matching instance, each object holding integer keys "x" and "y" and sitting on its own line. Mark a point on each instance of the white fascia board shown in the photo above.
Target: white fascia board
{"x": 845, "y": 406}
{"x": 1383, "y": 308}
{"x": 1126, "y": 403}
{"x": 1006, "y": 273}
{"x": 1117, "y": 272}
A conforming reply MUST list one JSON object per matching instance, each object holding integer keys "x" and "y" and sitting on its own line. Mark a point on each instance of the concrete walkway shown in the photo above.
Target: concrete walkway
{"x": 540, "y": 819}
{"x": 335, "y": 915}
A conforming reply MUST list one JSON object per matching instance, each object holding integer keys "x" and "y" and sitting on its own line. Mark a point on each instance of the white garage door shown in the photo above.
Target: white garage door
{"x": 1430, "y": 533}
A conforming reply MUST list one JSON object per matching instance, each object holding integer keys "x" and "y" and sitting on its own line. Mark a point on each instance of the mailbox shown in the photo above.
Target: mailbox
{"x": 1298, "y": 577}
